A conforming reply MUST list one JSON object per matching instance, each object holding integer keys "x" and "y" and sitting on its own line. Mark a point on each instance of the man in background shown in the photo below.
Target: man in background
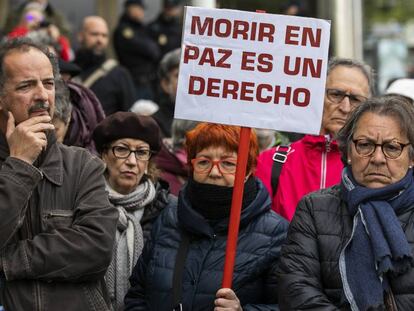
{"x": 314, "y": 162}
{"x": 111, "y": 82}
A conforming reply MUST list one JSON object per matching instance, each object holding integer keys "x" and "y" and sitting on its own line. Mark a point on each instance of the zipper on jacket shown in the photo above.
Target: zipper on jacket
{"x": 324, "y": 160}
{"x": 57, "y": 214}
{"x": 37, "y": 302}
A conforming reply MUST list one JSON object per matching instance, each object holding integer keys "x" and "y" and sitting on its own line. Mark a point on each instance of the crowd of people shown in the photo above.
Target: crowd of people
{"x": 109, "y": 203}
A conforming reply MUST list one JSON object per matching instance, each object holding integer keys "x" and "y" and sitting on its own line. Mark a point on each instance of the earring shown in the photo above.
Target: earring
{"x": 410, "y": 166}
{"x": 349, "y": 161}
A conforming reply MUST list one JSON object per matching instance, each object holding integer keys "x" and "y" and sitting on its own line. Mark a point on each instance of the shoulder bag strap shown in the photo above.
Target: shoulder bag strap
{"x": 178, "y": 271}
{"x": 279, "y": 157}
{"x": 106, "y": 67}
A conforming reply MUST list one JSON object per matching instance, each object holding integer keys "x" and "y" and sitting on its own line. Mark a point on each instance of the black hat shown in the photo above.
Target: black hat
{"x": 172, "y": 3}
{"x": 136, "y": 2}
{"x": 127, "y": 125}
{"x": 69, "y": 67}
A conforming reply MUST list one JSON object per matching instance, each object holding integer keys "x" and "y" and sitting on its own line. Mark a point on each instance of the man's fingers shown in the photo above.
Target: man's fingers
{"x": 41, "y": 127}
{"x": 10, "y": 124}
{"x": 37, "y": 119}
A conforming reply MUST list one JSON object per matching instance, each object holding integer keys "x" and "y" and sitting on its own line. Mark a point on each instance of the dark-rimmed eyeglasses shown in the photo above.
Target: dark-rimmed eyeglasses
{"x": 122, "y": 152}
{"x": 390, "y": 149}
{"x": 337, "y": 96}
{"x": 205, "y": 165}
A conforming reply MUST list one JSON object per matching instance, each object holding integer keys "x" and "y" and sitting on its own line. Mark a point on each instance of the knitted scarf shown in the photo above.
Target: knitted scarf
{"x": 129, "y": 238}
{"x": 378, "y": 247}
{"x": 213, "y": 202}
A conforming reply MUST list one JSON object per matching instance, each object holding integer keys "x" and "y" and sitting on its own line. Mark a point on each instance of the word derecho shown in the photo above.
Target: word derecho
{"x": 251, "y": 61}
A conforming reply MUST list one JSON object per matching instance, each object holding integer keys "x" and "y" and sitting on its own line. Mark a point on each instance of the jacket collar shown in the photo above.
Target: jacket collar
{"x": 49, "y": 162}
{"x": 319, "y": 140}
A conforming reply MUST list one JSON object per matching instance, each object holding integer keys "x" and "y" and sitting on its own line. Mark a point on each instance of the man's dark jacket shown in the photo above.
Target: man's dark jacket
{"x": 261, "y": 234}
{"x": 309, "y": 269}
{"x": 57, "y": 230}
{"x": 136, "y": 50}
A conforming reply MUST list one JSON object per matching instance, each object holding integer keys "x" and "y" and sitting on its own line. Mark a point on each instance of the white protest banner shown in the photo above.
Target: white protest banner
{"x": 253, "y": 69}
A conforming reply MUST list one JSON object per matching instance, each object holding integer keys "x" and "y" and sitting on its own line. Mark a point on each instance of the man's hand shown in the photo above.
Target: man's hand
{"x": 227, "y": 300}
{"x": 27, "y": 139}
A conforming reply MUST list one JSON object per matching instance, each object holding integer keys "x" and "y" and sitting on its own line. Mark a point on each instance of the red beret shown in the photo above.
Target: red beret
{"x": 127, "y": 125}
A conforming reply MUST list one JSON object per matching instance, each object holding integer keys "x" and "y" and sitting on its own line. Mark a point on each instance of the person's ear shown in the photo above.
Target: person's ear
{"x": 104, "y": 156}
{"x": 165, "y": 85}
{"x": 79, "y": 36}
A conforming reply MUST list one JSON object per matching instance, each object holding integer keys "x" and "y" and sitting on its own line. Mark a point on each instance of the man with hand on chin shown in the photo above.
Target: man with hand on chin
{"x": 56, "y": 223}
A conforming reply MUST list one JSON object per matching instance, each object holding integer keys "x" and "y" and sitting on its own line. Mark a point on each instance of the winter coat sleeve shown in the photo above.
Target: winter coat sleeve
{"x": 80, "y": 251}
{"x": 271, "y": 280}
{"x": 135, "y": 299}
{"x": 300, "y": 286}
{"x": 126, "y": 95}
{"x": 17, "y": 182}
{"x": 140, "y": 43}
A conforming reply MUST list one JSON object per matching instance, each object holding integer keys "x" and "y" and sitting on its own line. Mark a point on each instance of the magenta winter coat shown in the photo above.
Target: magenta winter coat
{"x": 313, "y": 163}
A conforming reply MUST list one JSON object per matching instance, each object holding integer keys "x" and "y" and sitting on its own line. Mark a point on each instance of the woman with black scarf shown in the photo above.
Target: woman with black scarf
{"x": 200, "y": 221}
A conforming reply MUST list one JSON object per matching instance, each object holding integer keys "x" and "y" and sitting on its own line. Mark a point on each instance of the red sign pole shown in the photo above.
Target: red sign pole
{"x": 236, "y": 204}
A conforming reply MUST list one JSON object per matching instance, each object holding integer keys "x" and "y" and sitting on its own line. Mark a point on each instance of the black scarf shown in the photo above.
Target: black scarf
{"x": 87, "y": 59}
{"x": 214, "y": 202}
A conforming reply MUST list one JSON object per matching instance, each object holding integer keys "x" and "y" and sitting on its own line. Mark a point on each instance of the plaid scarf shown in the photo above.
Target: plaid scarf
{"x": 378, "y": 247}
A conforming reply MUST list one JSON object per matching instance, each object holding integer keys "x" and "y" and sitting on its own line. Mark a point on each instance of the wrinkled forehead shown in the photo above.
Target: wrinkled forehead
{"x": 26, "y": 61}
{"x": 349, "y": 79}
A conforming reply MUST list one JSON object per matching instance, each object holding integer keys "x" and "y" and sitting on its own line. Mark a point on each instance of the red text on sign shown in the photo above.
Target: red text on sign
{"x": 236, "y": 29}
{"x": 264, "y": 62}
{"x": 248, "y": 91}
{"x": 303, "y": 66}
{"x": 296, "y": 35}
{"x": 207, "y": 56}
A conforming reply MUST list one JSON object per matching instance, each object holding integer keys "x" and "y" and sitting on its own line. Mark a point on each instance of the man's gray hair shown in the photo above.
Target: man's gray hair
{"x": 170, "y": 61}
{"x": 24, "y": 44}
{"x": 352, "y": 63}
{"x": 393, "y": 106}
{"x": 63, "y": 105}
{"x": 179, "y": 128}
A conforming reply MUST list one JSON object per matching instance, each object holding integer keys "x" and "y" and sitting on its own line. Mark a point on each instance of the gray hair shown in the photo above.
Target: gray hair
{"x": 179, "y": 128}
{"x": 24, "y": 45}
{"x": 170, "y": 61}
{"x": 63, "y": 105}
{"x": 394, "y": 106}
{"x": 352, "y": 63}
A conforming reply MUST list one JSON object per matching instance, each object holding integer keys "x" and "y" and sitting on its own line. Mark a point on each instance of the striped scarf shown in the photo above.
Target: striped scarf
{"x": 129, "y": 238}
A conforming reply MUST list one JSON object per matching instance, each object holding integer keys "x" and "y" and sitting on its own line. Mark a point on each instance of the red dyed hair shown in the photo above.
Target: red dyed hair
{"x": 206, "y": 135}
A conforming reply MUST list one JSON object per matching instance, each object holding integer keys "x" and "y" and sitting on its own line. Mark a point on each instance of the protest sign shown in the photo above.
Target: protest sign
{"x": 253, "y": 69}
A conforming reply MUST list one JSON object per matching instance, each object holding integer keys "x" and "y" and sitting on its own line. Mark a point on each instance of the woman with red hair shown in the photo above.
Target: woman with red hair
{"x": 181, "y": 267}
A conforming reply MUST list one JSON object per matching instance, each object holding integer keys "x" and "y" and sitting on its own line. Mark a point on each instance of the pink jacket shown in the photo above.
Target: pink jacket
{"x": 314, "y": 162}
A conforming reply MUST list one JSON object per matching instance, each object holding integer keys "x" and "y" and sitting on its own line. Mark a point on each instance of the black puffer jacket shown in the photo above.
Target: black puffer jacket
{"x": 309, "y": 272}
{"x": 261, "y": 234}
{"x": 151, "y": 212}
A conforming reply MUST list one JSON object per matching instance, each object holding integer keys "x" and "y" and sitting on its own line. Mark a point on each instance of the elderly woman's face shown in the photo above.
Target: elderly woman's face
{"x": 124, "y": 174}
{"x": 376, "y": 170}
{"x": 216, "y": 166}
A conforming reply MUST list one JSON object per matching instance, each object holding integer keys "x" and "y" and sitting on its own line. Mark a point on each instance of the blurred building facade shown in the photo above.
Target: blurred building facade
{"x": 380, "y": 32}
